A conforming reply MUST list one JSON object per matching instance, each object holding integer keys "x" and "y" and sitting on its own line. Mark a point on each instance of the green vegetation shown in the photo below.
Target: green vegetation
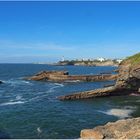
{"x": 135, "y": 59}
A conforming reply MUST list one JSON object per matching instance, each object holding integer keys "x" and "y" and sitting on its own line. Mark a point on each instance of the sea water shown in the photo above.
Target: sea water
{"x": 30, "y": 109}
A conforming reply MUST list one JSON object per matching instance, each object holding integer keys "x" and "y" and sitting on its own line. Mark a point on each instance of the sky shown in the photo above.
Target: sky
{"x": 48, "y": 30}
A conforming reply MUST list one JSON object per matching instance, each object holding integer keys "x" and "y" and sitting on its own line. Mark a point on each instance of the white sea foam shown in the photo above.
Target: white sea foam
{"x": 36, "y": 98}
{"x": 120, "y": 113}
{"x": 72, "y": 81}
{"x": 39, "y": 130}
{"x": 18, "y": 97}
{"x": 59, "y": 85}
{"x": 138, "y": 101}
{"x": 26, "y": 82}
{"x": 56, "y": 85}
{"x": 12, "y": 103}
{"x": 14, "y": 82}
{"x": 51, "y": 89}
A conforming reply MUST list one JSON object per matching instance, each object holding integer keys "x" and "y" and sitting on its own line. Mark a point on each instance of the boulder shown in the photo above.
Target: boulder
{"x": 122, "y": 129}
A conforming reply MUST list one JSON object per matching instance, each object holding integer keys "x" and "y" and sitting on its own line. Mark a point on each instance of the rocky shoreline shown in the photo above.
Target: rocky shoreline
{"x": 121, "y": 129}
{"x": 128, "y": 81}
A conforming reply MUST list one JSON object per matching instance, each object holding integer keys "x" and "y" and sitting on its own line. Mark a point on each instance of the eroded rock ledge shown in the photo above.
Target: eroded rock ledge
{"x": 102, "y": 92}
{"x": 122, "y": 129}
{"x": 63, "y": 76}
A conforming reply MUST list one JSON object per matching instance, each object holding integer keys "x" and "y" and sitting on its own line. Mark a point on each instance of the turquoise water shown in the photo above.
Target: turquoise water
{"x": 30, "y": 109}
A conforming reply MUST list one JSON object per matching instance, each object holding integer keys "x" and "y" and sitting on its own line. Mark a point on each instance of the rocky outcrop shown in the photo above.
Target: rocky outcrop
{"x": 102, "y": 92}
{"x": 122, "y": 129}
{"x": 129, "y": 74}
{"x": 46, "y": 75}
{"x": 1, "y": 82}
{"x": 128, "y": 81}
{"x": 63, "y": 76}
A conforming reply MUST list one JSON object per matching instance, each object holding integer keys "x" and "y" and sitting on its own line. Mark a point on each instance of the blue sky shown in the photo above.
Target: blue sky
{"x": 46, "y": 31}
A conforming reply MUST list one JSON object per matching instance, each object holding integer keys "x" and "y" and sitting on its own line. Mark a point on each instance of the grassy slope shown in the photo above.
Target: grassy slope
{"x": 134, "y": 59}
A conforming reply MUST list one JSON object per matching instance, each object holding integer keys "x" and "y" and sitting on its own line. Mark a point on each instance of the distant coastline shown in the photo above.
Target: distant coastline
{"x": 107, "y": 62}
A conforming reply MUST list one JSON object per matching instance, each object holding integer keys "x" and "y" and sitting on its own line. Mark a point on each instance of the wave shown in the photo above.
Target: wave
{"x": 36, "y": 98}
{"x": 134, "y": 94}
{"x": 12, "y": 103}
{"x": 39, "y": 130}
{"x": 14, "y": 82}
{"x": 72, "y": 81}
{"x": 56, "y": 85}
{"x": 120, "y": 113}
{"x": 18, "y": 97}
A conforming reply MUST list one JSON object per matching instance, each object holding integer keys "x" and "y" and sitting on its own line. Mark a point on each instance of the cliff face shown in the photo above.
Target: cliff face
{"x": 129, "y": 73}
{"x": 122, "y": 129}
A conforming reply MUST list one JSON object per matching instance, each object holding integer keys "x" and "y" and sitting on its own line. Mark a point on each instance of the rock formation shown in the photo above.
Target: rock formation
{"x": 128, "y": 80}
{"x": 63, "y": 76}
{"x": 102, "y": 92}
{"x": 122, "y": 129}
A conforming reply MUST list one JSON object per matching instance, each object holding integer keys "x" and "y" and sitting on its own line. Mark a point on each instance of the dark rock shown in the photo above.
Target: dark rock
{"x": 1, "y": 82}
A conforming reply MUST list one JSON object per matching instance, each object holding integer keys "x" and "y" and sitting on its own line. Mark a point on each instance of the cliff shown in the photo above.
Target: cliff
{"x": 122, "y": 129}
{"x": 129, "y": 73}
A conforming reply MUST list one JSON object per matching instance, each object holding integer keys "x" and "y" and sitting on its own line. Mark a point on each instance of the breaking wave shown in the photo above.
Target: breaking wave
{"x": 120, "y": 113}
{"x": 12, "y": 103}
{"x": 14, "y": 82}
{"x": 56, "y": 85}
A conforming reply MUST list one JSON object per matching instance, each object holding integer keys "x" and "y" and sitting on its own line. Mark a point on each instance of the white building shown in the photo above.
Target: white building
{"x": 119, "y": 60}
{"x": 101, "y": 59}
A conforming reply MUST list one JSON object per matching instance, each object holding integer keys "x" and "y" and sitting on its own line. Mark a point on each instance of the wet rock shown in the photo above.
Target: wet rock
{"x": 103, "y": 92}
{"x": 1, "y": 82}
{"x": 63, "y": 76}
{"x": 122, "y": 129}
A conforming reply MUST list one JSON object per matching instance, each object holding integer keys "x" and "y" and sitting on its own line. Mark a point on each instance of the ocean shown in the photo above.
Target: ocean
{"x": 30, "y": 109}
